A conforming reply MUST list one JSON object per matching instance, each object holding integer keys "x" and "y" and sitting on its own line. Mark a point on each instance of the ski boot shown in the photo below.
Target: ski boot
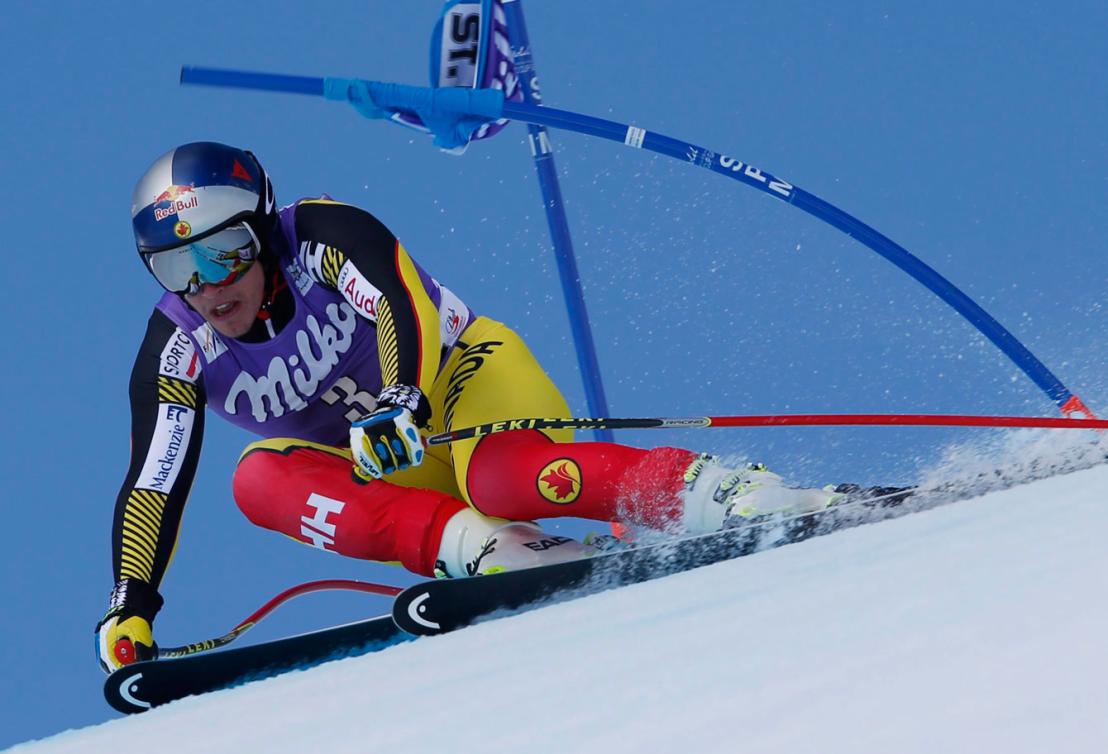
{"x": 716, "y": 497}
{"x": 476, "y": 545}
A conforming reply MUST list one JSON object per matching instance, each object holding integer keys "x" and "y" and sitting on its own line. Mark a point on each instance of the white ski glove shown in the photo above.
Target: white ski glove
{"x": 387, "y": 439}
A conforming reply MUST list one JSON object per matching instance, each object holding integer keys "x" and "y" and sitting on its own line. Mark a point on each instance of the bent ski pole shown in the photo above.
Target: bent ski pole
{"x": 779, "y": 420}
{"x": 267, "y": 608}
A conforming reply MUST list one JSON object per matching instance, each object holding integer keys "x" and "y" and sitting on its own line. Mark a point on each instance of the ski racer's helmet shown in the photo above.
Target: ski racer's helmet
{"x": 202, "y": 213}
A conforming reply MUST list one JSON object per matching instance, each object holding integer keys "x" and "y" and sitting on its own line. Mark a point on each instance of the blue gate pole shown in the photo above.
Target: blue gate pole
{"x": 543, "y": 153}
{"x": 377, "y": 99}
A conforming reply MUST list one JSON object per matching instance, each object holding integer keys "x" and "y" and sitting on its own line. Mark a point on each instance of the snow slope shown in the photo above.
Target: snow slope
{"x": 974, "y": 627}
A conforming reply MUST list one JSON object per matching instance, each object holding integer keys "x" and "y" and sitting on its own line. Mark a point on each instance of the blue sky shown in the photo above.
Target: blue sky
{"x": 975, "y": 134}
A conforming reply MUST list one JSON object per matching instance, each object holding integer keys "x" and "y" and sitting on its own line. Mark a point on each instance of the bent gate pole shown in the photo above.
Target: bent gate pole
{"x": 379, "y": 99}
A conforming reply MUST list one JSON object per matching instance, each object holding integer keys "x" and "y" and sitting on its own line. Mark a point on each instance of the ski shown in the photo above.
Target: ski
{"x": 435, "y": 607}
{"x": 138, "y": 687}
{"x": 438, "y": 606}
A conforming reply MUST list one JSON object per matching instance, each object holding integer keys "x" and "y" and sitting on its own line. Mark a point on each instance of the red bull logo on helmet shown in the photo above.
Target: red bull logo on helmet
{"x": 178, "y": 198}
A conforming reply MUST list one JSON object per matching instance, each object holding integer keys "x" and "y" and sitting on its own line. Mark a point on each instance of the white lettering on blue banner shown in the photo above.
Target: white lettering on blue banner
{"x": 540, "y": 143}
{"x": 776, "y": 185}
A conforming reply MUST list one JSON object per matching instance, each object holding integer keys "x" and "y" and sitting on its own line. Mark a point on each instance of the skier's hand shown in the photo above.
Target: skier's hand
{"x": 387, "y": 439}
{"x": 124, "y": 634}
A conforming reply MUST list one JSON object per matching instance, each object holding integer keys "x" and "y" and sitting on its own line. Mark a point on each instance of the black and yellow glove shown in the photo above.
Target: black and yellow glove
{"x": 387, "y": 439}
{"x": 125, "y": 633}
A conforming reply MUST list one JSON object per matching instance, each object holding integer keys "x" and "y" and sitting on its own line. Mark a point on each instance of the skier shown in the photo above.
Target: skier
{"x": 312, "y": 327}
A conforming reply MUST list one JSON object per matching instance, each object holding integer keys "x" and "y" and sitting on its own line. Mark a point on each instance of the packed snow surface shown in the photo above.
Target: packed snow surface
{"x": 974, "y": 627}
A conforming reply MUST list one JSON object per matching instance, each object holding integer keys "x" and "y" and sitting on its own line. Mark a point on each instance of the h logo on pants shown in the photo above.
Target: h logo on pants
{"x": 316, "y": 528}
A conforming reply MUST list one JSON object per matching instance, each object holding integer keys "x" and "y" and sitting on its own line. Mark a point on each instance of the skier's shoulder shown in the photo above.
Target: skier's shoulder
{"x": 331, "y": 234}
{"x": 171, "y": 308}
{"x": 173, "y": 319}
{"x": 168, "y": 357}
{"x": 346, "y": 227}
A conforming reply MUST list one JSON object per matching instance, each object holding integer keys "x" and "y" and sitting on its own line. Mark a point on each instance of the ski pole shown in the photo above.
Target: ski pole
{"x": 778, "y": 420}
{"x": 267, "y": 608}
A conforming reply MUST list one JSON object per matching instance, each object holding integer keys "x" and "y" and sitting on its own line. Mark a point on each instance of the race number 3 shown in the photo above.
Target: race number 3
{"x": 346, "y": 390}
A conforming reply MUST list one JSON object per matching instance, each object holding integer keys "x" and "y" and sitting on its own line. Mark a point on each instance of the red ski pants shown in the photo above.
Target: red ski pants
{"x": 307, "y": 490}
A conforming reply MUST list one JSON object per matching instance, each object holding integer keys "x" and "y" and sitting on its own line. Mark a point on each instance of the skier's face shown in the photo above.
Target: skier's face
{"x": 231, "y": 309}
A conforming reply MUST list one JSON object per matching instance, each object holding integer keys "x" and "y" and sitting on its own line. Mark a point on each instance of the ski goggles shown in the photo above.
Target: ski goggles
{"x": 219, "y": 259}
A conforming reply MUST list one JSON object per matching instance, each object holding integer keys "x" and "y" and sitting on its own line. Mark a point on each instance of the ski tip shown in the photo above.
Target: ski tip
{"x": 413, "y": 611}
{"x": 124, "y": 690}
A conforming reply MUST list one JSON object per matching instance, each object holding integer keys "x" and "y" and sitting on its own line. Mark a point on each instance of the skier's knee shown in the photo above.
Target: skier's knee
{"x": 254, "y": 473}
{"x": 483, "y": 483}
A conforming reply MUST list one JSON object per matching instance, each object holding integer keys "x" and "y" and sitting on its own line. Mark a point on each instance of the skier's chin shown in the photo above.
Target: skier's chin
{"x": 230, "y": 329}
{"x": 232, "y": 323}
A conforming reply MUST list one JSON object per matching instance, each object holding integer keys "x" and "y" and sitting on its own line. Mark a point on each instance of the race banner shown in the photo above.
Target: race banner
{"x": 470, "y": 49}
